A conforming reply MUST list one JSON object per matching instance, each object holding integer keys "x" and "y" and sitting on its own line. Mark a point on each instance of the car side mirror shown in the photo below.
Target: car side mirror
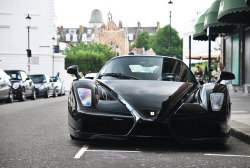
{"x": 73, "y": 69}
{"x": 28, "y": 78}
{"x": 224, "y": 75}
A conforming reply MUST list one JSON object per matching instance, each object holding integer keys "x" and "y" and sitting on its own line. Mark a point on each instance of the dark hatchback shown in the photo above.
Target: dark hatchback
{"x": 6, "y": 93}
{"x": 23, "y": 86}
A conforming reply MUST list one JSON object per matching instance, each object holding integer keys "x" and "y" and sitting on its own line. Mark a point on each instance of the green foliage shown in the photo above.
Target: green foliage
{"x": 88, "y": 57}
{"x": 143, "y": 40}
{"x": 160, "y": 42}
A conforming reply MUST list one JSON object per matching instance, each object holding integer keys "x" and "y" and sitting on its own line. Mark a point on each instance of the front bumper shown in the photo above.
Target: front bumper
{"x": 199, "y": 128}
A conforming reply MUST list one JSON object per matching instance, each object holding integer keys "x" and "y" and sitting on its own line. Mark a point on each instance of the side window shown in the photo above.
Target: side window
{"x": 24, "y": 76}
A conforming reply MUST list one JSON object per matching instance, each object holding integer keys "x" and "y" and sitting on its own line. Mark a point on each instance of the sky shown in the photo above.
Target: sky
{"x": 72, "y": 13}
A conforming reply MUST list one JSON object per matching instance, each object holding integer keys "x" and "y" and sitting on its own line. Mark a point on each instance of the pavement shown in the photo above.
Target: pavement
{"x": 240, "y": 118}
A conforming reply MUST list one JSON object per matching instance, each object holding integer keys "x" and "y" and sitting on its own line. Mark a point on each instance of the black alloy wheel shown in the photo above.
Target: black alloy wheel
{"x": 23, "y": 95}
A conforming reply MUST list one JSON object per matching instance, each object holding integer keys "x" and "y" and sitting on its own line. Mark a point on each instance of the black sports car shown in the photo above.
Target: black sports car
{"x": 148, "y": 96}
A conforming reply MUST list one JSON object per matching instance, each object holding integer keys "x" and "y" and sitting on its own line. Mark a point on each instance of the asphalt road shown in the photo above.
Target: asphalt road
{"x": 34, "y": 134}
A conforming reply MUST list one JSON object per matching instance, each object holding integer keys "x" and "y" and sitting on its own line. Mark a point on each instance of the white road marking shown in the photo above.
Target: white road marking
{"x": 227, "y": 155}
{"x": 110, "y": 151}
{"x": 81, "y": 151}
{"x": 239, "y": 111}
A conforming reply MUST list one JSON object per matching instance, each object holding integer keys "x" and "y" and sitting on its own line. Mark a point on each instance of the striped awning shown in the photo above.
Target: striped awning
{"x": 204, "y": 56}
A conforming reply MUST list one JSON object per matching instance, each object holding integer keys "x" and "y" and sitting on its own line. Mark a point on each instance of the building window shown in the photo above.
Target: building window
{"x": 67, "y": 37}
{"x": 130, "y": 37}
{"x": 74, "y": 38}
{"x": 89, "y": 31}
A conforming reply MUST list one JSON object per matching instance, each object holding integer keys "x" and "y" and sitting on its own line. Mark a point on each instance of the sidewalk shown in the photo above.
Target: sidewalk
{"x": 240, "y": 119}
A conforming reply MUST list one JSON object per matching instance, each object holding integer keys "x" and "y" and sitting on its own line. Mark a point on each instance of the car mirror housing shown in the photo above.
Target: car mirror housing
{"x": 224, "y": 75}
{"x": 73, "y": 69}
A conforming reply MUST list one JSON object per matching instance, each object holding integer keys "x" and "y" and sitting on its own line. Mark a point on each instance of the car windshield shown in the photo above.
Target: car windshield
{"x": 38, "y": 78}
{"x": 15, "y": 75}
{"x": 147, "y": 68}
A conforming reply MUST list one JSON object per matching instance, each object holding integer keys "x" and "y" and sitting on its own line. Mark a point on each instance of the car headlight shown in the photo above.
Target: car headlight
{"x": 42, "y": 87}
{"x": 16, "y": 85}
{"x": 85, "y": 96}
{"x": 216, "y": 101}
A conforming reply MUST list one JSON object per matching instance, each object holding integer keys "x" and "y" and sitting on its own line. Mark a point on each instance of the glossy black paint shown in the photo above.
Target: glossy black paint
{"x": 148, "y": 108}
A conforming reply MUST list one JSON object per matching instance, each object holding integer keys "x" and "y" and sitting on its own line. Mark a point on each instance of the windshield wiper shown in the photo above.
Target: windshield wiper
{"x": 120, "y": 76}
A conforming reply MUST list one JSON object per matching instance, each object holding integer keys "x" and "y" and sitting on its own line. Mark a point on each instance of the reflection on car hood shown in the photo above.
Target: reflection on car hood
{"x": 15, "y": 81}
{"x": 38, "y": 85}
{"x": 143, "y": 94}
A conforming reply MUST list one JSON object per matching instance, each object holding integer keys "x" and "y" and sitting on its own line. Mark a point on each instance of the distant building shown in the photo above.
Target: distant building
{"x": 117, "y": 37}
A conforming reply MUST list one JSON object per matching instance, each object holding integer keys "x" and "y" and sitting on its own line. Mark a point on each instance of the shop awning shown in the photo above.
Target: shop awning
{"x": 199, "y": 33}
{"x": 204, "y": 56}
{"x": 234, "y": 11}
{"x": 212, "y": 22}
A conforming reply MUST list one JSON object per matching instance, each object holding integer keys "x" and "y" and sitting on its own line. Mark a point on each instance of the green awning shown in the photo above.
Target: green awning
{"x": 234, "y": 11}
{"x": 199, "y": 33}
{"x": 212, "y": 22}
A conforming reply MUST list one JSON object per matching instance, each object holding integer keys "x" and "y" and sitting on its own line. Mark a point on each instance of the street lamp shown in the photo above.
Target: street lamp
{"x": 170, "y": 3}
{"x": 53, "y": 38}
{"x": 28, "y": 24}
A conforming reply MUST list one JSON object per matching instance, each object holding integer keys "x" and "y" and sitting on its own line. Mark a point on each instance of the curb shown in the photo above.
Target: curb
{"x": 239, "y": 133}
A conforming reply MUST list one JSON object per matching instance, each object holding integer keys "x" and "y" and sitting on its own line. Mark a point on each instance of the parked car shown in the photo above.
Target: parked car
{"x": 58, "y": 83}
{"x": 44, "y": 86}
{"x": 6, "y": 92}
{"x": 148, "y": 96}
{"x": 23, "y": 86}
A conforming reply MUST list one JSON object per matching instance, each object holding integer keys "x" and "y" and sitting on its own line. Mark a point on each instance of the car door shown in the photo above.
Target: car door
{"x": 50, "y": 85}
{"x": 27, "y": 83}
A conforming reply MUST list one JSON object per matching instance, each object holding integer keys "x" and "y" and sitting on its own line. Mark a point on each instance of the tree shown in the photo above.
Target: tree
{"x": 88, "y": 57}
{"x": 143, "y": 40}
{"x": 160, "y": 42}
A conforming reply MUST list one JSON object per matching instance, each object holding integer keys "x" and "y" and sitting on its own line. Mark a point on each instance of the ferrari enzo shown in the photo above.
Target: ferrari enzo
{"x": 148, "y": 96}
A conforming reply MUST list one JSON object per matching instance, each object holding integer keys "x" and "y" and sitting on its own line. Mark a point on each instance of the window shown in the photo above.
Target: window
{"x": 24, "y": 75}
{"x": 89, "y": 31}
{"x": 130, "y": 37}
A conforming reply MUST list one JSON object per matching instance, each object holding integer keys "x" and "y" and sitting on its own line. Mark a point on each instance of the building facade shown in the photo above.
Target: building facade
{"x": 14, "y": 35}
{"x": 116, "y": 36}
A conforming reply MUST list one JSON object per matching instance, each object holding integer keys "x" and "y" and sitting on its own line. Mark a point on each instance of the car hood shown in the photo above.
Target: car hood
{"x": 15, "y": 81}
{"x": 147, "y": 96}
{"x": 38, "y": 85}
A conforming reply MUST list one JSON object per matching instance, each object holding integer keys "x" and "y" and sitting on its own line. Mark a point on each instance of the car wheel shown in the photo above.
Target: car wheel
{"x": 11, "y": 98}
{"x": 23, "y": 95}
{"x": 33, "y": 97}
{"x": 46, "y": 94}
{"x": 73, "y": 138}
{"x": 55, "y": 93}
{"x": 60, "y": 94}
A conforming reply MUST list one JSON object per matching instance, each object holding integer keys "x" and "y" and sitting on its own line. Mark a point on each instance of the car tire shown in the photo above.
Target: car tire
{"x": 73, "y": 138}
{"x": 60, "y": 94}
{"x": 55, "y": 94}
{"x": 23, "y": 95}
{"x": 33, "y": 97}
{"x": 46, "y": 94}
{"x": 11, "y": 97}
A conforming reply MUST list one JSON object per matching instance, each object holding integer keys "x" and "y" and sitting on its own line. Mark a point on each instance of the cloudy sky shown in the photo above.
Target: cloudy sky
{"x": 72, "y": 13}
